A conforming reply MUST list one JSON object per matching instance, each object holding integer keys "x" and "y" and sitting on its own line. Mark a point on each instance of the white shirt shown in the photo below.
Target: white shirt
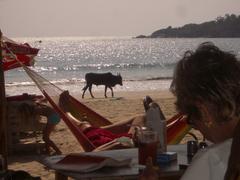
{"x": 209, "y": 164}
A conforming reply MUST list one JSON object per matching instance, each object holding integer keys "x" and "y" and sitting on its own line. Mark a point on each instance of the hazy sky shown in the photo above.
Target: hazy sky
{"x": 43, "y": 18}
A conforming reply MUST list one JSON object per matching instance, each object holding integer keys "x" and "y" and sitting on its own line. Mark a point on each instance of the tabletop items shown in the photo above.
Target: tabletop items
{"x": 176, "y": 155}
{"x": 78, "y": 162}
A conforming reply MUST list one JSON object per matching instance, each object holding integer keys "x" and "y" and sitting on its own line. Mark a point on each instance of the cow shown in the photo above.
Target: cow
{"x": 107, "y": 79}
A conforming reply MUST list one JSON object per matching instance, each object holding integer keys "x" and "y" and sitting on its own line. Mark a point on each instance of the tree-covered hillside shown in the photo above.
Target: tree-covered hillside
{"x": 227, "y": 26}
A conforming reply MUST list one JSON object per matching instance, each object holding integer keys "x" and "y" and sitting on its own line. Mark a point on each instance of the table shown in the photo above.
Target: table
{"x": 175, "y": 169}
{"x": 168, "y": 171}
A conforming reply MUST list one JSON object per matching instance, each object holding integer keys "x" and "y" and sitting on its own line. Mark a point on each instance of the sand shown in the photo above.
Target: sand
{"x": 124, "y": 106}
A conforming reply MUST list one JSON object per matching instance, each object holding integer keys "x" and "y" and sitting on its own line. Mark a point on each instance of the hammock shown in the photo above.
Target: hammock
{"x": 52, "y": 94}
{"x": 177, "y": 127}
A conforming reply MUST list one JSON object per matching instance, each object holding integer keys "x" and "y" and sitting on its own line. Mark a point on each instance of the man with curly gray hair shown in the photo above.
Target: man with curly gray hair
{"x": 206, "y": 84}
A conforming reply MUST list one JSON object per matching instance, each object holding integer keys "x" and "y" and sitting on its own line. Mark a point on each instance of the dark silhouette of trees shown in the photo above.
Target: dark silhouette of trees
{"x": 227, "y": 26}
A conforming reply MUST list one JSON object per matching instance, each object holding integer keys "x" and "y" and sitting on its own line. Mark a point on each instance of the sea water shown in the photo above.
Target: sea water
{"x": 144, "y": 64}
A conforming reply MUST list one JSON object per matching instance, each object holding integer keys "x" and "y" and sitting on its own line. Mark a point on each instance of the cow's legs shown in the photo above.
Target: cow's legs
{"x": 112, "y": 91}
{"x": 90, "y": 90}
{"x": 105, "y": 92}
{"x": 84, "y": 90}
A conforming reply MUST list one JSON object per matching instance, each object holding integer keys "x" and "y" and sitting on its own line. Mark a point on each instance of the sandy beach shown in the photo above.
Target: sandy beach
{"x": 124, "y": 106}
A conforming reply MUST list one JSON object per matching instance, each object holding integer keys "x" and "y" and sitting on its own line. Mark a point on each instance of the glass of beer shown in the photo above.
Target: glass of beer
{"x": 147, "y": 146}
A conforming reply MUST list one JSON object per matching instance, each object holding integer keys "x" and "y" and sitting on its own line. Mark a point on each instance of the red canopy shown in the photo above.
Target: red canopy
{"x": 13, "y": 50}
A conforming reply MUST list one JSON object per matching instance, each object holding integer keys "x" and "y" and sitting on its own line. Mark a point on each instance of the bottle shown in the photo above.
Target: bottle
{"x": 163, "y": 136}
{"x": 192, "y": 148}
{"x": 156, "y": 121}
{"x": 202, "y": 145}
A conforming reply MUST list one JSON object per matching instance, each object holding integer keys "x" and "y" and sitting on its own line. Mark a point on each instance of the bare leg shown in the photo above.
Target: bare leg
{"x": 126, "y": 126}
{"x": 46, "y": 137}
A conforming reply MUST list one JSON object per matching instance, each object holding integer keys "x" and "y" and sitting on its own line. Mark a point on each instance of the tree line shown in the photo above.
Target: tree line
{"x": 221, "y": 27}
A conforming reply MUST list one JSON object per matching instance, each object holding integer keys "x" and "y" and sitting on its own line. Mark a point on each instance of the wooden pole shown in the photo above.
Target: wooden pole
{"x": 3, "y": 119}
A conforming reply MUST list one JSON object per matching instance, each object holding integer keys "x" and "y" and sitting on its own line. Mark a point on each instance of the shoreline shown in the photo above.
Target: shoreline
{"x": 76, "y": 88}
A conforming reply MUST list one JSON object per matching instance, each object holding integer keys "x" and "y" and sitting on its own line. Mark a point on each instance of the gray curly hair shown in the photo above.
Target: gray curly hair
{"x": 208, "y": 75}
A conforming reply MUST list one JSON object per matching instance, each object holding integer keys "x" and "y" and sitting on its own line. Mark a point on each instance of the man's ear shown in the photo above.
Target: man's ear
{"x": 205, "y": 113}
{"x": 202, "y": 108}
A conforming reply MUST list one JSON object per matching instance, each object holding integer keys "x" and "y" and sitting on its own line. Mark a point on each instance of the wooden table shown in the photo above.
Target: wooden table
{"x": 168, "y": 171}
{"x": 175, "y": 169}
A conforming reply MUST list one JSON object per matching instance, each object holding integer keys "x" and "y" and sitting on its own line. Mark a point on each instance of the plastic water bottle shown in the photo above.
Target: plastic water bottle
{"x": 156, "y": 121}
{"x": 163, "y": 136}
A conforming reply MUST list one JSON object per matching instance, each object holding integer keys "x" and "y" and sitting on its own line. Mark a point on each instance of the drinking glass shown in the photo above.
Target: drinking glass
{"x": 147, "y": 146}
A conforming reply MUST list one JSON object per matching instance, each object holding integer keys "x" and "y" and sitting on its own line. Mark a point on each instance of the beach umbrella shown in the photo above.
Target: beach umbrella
{"x": 13, "y": 52}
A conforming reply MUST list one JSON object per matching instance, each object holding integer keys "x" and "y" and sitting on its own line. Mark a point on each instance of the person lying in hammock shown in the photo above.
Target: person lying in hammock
{"x": 39, "y": 108}
{"x": 115, "y": 136}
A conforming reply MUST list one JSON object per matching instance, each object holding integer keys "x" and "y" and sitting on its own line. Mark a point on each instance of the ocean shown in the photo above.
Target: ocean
{"x": 144, "y": 64}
